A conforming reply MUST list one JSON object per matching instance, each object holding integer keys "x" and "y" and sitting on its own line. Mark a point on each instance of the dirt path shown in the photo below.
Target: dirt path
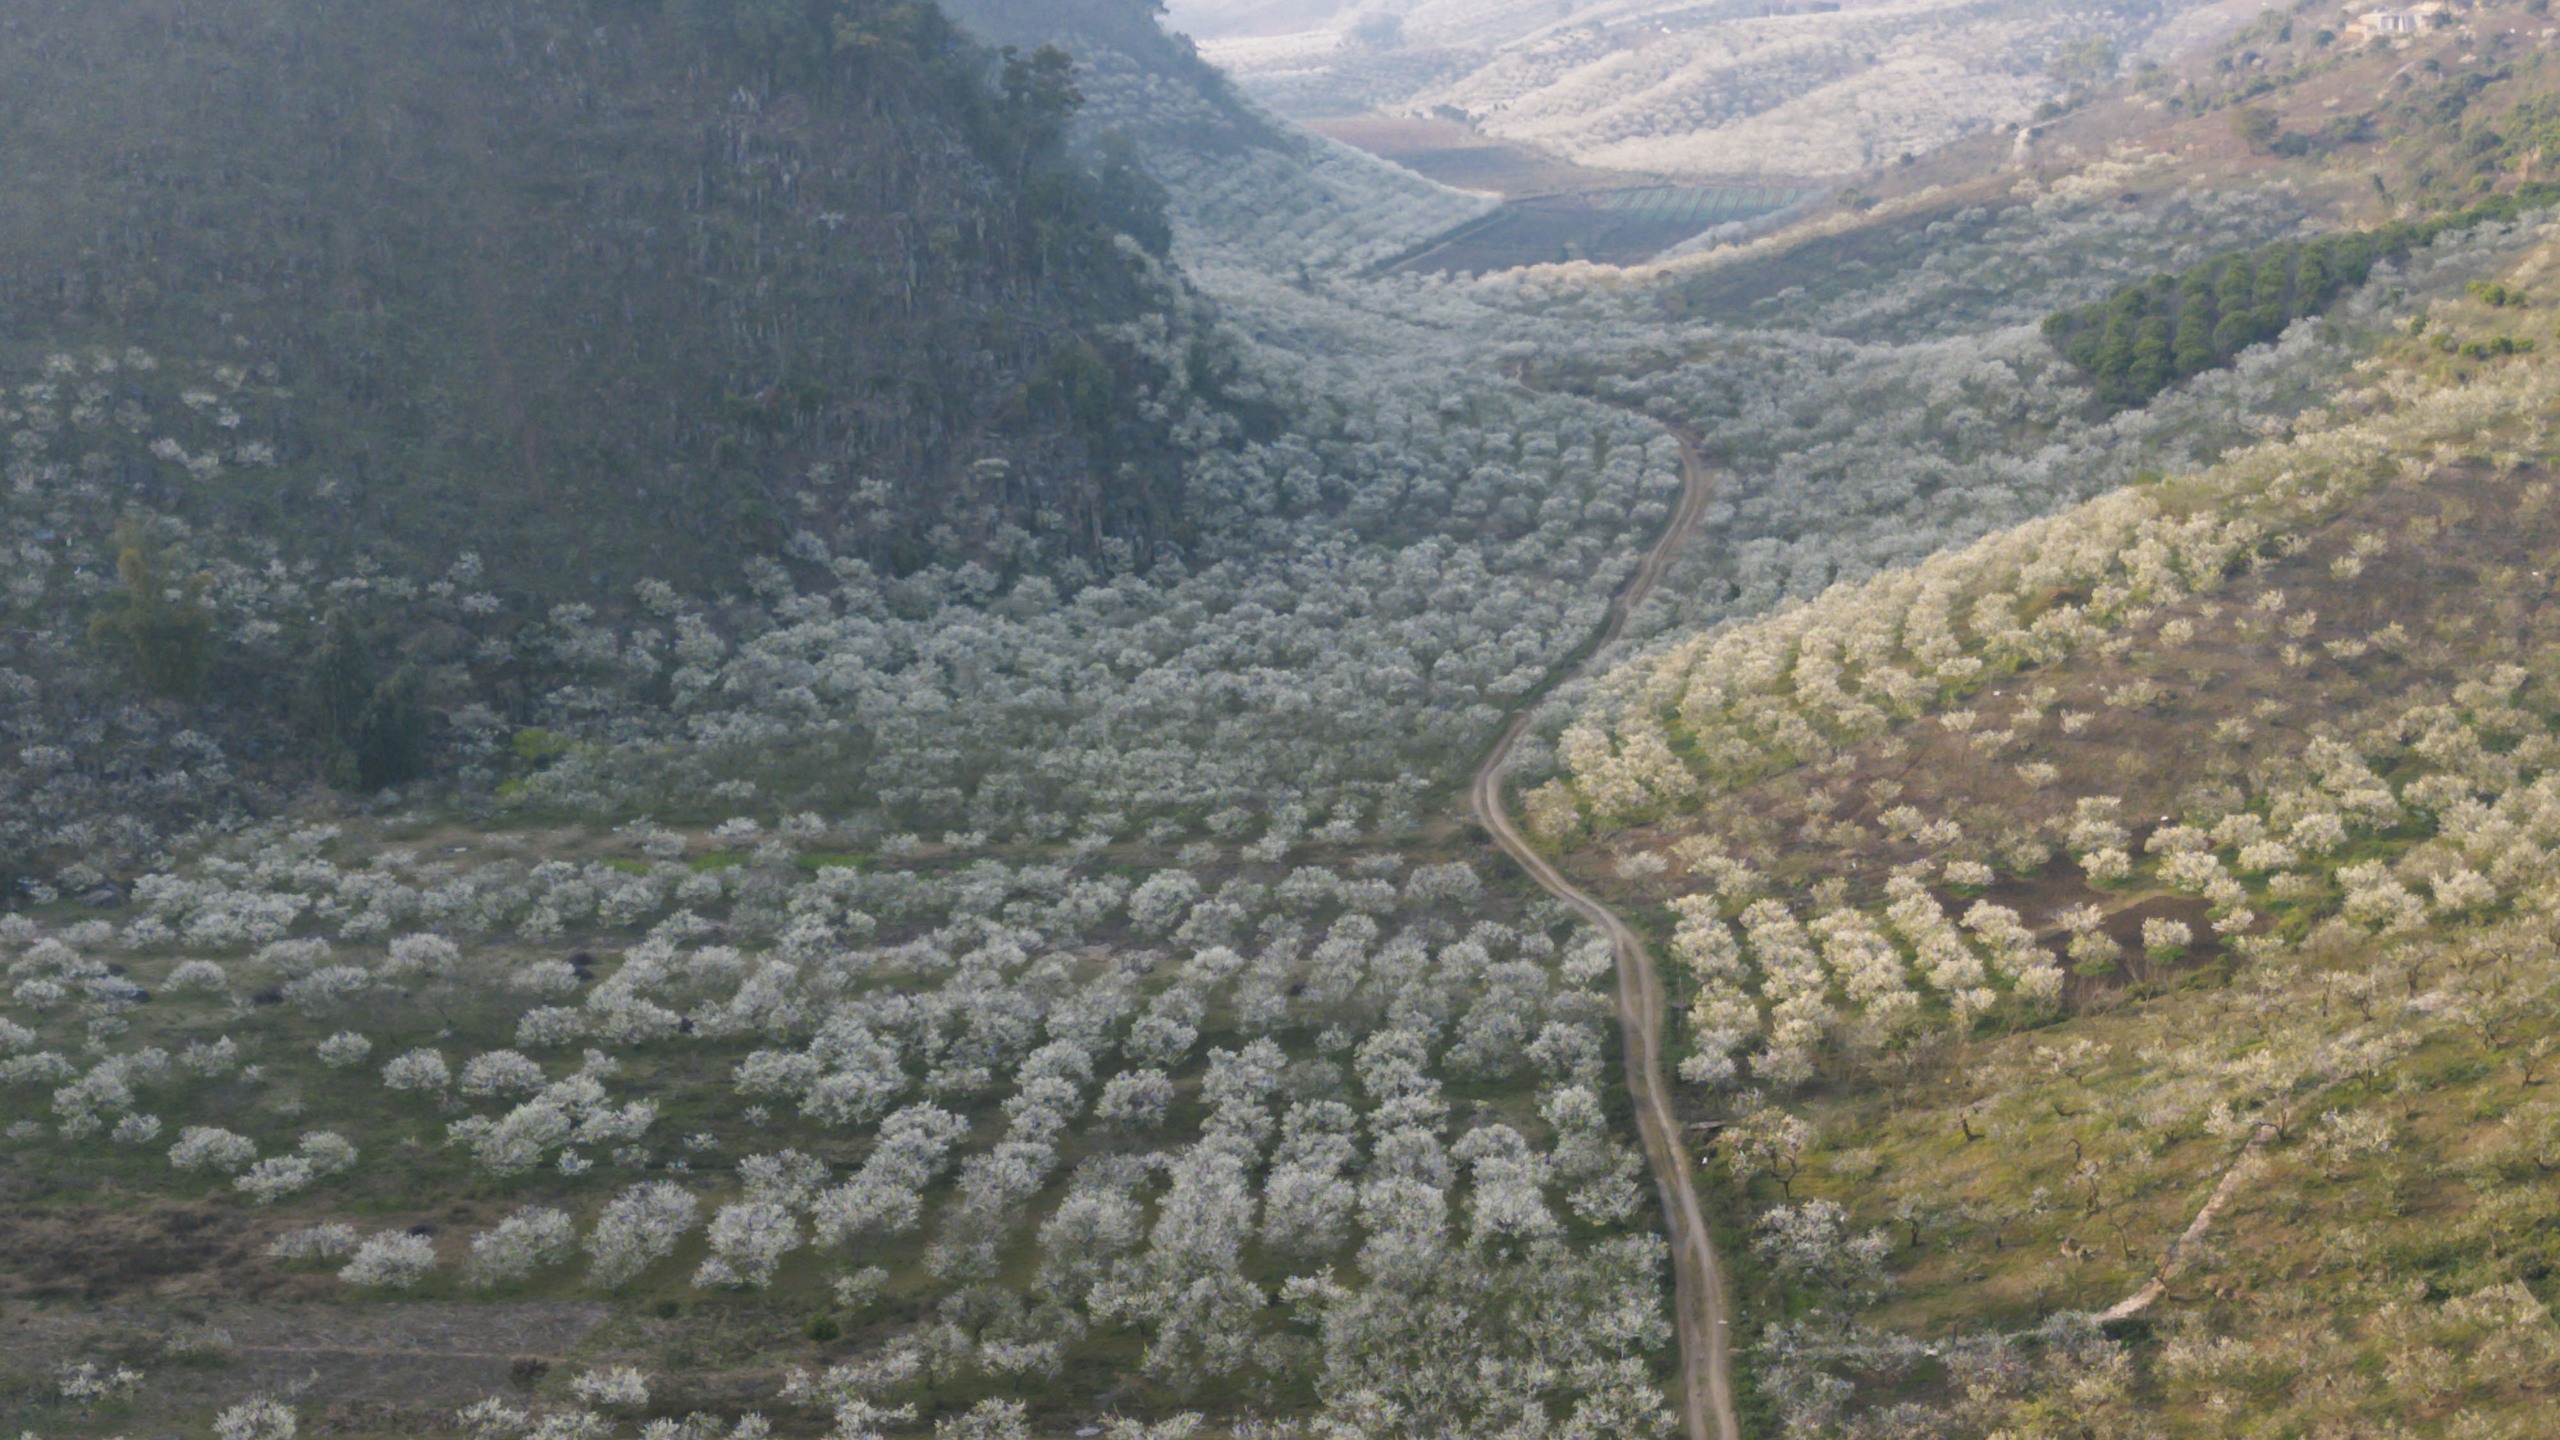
{"x": 1706, "y": 1336}
{"x": 2174, "y": 1259}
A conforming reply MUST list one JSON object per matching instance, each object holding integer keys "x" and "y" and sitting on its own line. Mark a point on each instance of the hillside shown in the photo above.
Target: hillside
{"x": 2020, "y": 897}
{"x": 1128, "y": 53}
{"x": 2114, "y": 945}
{"x": 346, "y": 345}
{"x": 1692, "y": 89}
{"x": 1932, "y": 820}
{"x": 1239, "y": 179}
{"x": 489, "y": 274}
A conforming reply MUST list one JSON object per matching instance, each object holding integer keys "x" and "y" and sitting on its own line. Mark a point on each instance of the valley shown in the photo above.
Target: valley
{"x": 1291, "y": 722}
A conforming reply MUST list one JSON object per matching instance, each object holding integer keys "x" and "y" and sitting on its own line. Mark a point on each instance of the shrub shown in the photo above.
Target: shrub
{"x": 205, "y": 1147}
{"x": 259, "y": 1419}
{"x": 515, "y": 1247}
{"x": 344, "y": 1049}
{"x": 420, "y": 1069}
{"x": 393, "y": 1260}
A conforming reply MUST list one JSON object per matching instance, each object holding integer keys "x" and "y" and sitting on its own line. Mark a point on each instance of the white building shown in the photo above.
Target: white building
{"x": 2379, "y": 24}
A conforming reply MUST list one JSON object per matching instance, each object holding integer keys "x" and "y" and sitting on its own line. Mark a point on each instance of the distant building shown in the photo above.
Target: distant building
{"x": 2382, "y": 24}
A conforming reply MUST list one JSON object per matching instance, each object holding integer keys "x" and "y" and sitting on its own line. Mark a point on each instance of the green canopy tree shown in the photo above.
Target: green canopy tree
{"x": 160, "y": 623}
{"x": 373, "y": 728}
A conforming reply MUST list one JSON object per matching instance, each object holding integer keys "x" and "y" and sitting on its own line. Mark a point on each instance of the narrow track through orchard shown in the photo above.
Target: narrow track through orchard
{"x": 1705, "y": 1331}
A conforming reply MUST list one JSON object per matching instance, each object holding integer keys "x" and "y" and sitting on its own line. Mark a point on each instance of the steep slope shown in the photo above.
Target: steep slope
{"x": 2115, "y": 952}
{"x": 1244, "y": 185}
{"x": 597, "y": 290}
{"x": 1125, "y": 49}
{"x": 350, "y": 350}
{"x": 2116, "y": 955}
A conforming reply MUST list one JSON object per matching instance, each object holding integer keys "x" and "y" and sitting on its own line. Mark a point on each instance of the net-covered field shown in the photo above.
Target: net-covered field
{"x": 1700, "y": 206}
{"x": 1614, "y": 227}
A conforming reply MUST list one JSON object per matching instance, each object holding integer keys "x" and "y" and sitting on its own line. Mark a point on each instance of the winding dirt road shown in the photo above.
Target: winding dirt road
{"x": 1706, "y": 1336}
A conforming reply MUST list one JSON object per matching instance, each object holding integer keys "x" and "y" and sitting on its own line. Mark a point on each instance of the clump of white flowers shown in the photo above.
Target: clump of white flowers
{"x": 616, "y": 1385}
{"x": 274, "y": 1178}
{"x": 328, "y": 1241}
{"x": 329, "y": 1152}
{"x": 2375, "y": 897}
{"x": 420, "y": 1069}
{"x": 524, "y": 1242}
{"x": 501, "y": 1072}
{"x": 344, "y": 1049}
{"x": 787, "y": 1178}
{"x": 862, "y": 1289}
{"x": 639, "y": 1228}
{"x": 886, "y": 1195}
{"x": 327, "y": 986}
{"x": 86, "y": 1383}
{"x": 548, "y": 1025}
{"x": 199, "y": 975}
{"x": 572, "y": 1110}
{"x": 393, "y": 1259}
{"x": 1135, "y": 1099}
{"x": 747, "y": 1240}
{"x": 211, "y": 1061}
{"x": 2106, "y": 866}
{"x": 2164, "y": 939}
{"x": 258, "y": 1419}
{"x": 323, "y": 1153}
{"x": 206, "y": 1147}
{"x": 544, "y": 977}
{"x": 416, "y": 955}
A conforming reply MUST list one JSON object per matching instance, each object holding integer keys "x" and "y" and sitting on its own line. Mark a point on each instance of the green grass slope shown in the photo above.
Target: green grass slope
{"x": 2117, "y": 954}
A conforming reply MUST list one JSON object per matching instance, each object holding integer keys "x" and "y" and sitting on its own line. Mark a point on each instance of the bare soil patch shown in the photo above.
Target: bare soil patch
{"x": 353, "y": 1368}
{"x": 172, "y": 1250}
